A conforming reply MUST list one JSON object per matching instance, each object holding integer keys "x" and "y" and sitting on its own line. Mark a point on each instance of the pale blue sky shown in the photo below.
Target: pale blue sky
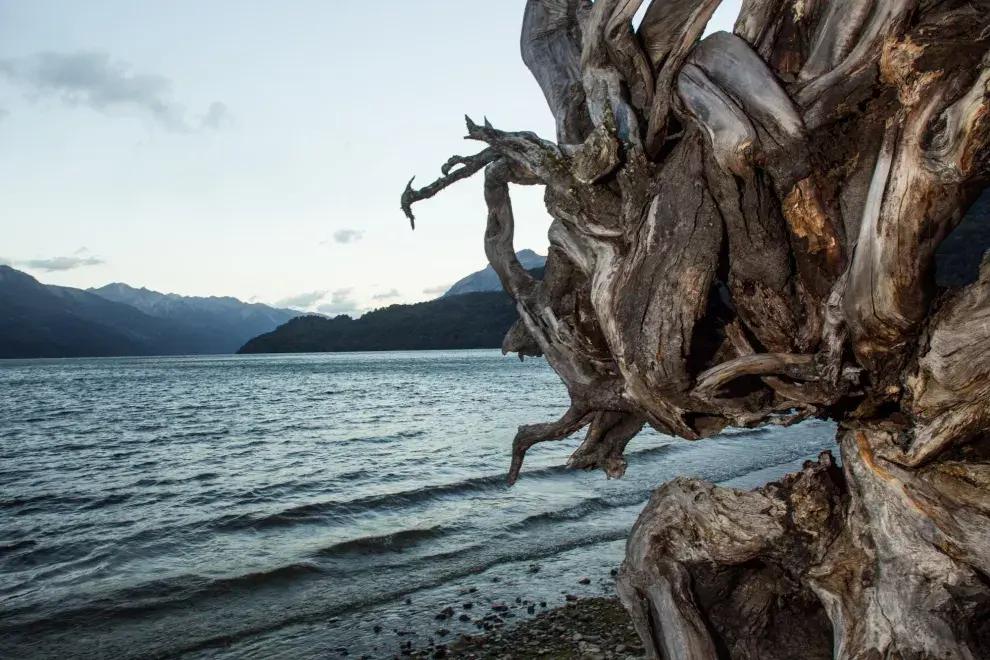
{"x": 256, "y": 148}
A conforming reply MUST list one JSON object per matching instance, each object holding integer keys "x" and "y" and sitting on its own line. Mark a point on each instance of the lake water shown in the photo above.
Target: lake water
{"x": 282, "y": 506}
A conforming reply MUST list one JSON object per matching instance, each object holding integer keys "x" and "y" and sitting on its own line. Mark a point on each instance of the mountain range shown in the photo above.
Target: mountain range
{"x": 39, "y": 320}
{"x": 48, "y": 321}
{"x": 474, "y": 313}
{"x": 487, "y": 280}
{"x": 227, "y": 320}
{"x": 470, "y": 320}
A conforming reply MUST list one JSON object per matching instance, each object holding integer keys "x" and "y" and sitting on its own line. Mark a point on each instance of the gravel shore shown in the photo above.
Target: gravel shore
{"x": 589, "y": 629}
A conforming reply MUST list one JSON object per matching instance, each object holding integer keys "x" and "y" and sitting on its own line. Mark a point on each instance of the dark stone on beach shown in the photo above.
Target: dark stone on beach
{"x": 377, "y": 628}
{"x": 343, "y": 650}
{"x": 518, "y": 599}
{"x": 584, "y": 581}
{"x": 445, "y": 613}
{"x": 442, "y": 632}
{"x": 403, "y": 633}
{"x": 531, "y": 609}
{"x": 534, "y": 568}
{"x": 543, "y": 603}
{"x": 464, "y": 617}
{"x": 614, "y": 572}
{"x": 500, "y": 607}
{"x": 408, "y": 601}
{"x": 571, "y": 598}
{"x": 468, "y": 606}
{"x": 496, "y": 579}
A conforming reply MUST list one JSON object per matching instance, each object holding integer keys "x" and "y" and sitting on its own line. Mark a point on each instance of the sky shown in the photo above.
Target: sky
{"x": 257, "y": 149}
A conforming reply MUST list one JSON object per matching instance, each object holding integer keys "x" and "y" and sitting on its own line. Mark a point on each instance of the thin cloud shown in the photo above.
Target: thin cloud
{"x": 386, "y": 295}
{"x": 302, "y": 300}
{"x": 58, "y": 264}
{"x": 4, "y": 114}
{"x": 347, "y": 236}
{"x": 341, "y": 302}
{"x": 216, "y": 117}
{"x": 92, "y": 79}
{"x": 433, "y": 290}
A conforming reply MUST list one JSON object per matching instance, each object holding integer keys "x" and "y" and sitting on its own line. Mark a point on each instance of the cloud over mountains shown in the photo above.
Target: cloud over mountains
{"x": 386, "y": 295}
{"x": 81, "y": 258}
{"x": 341, "y": 302}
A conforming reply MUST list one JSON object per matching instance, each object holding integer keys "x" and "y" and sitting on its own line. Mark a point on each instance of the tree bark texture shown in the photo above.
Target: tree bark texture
{"x": 744, "y": 229}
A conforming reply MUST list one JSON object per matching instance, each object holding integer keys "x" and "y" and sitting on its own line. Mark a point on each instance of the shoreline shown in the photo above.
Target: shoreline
{"x": 592, "y": 628}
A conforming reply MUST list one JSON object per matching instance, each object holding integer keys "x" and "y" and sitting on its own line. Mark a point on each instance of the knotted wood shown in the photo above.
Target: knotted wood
{"x": 744, "y": 230}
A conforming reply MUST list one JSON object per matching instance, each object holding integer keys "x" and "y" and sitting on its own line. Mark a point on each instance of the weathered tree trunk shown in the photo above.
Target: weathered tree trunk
{"x": 744, "y": 229}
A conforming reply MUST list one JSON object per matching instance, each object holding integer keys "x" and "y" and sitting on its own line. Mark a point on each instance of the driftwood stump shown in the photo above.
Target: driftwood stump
{"x": 744, "y": 229}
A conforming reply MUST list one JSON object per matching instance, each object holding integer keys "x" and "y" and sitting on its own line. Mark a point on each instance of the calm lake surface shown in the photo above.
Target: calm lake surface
{"x": 281, "y": 506}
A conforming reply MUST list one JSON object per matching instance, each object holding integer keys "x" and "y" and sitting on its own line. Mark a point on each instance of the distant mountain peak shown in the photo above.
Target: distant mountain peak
{"x": 487, "y": 279}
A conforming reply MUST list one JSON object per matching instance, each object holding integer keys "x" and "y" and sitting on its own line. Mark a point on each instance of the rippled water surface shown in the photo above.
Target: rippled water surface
{"x": 280, "y": 506}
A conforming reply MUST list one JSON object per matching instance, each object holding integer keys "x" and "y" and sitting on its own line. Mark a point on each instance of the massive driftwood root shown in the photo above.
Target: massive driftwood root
{"x": 744, "y": 229}
{"x": 875, "y": 561}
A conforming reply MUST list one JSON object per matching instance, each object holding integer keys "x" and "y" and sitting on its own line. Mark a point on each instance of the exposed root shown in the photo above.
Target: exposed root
{"x": 743, "y": 233}
{"x": 469, "y": 165}
{"x": 573, "y": 420}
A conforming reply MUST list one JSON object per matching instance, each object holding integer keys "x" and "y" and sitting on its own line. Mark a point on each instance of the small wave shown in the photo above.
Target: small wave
{"x": 158, "y": 594}
{"x": 148, "y": 427}
{"x": 745, "y": 433}
{"x": 381, "y": 439}
{"x": 352, "y": 476}
{"x": 303, "y": 426}
{"x": 79, "y": 446}
{"x": 199, "y": 434}
{"x": 8, "y": 548}
{"x": 394, "y": 542}
{"x": 248, "y": 445}
{"x": 33, "y": 555}
{"x": 109, "y": 500}
{"x": 318, "y": 511}
{"x": 203, "y": 476}
{"x": 34, "y": 503}
{"x": 652, "y": 451}
{"x": 281, "y": 574}
{"x": 448, "y": 555}
{"x": 575, "y": 512}
{"x": 52, "y": 415}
